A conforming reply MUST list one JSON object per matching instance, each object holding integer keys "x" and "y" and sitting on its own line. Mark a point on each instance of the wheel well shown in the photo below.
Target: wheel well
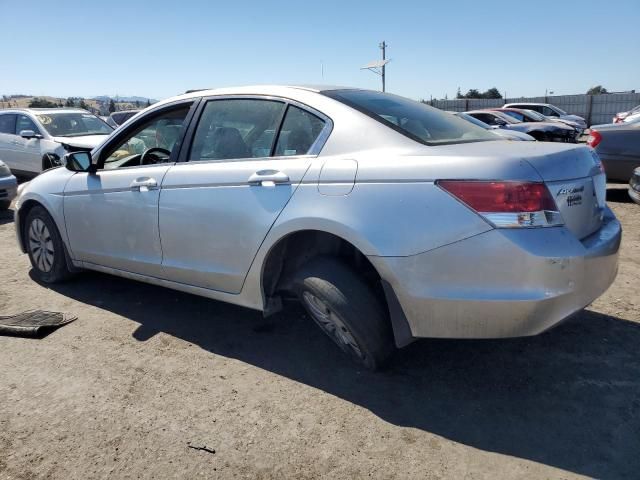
{"x": 294, "y": 250}
{"x": 25, "y": 208}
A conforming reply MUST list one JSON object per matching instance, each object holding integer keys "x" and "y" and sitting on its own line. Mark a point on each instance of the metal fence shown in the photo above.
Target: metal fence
{"x": 595, "y": 109}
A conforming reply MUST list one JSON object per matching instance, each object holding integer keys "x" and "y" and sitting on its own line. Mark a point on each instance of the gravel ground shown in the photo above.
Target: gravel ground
{"x": 151, "y": 383}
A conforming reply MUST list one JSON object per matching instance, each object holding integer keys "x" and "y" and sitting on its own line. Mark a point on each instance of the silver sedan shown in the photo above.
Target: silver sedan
{"x": 389, "y": 220}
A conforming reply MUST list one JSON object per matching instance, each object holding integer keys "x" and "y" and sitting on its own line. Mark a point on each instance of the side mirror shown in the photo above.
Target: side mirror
{"x": 79, "y": 162}
{"x": 499, "y": 122}
{"x": 29, "y": 134}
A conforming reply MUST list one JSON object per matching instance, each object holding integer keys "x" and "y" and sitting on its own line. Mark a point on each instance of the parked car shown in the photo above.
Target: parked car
{"x": 623, "y": 116}
{"x": 35, "y": 139}
{"x": 118, "y": 118}
{"x": 8, "y": 186}
{"x": 634, "y": 186}
{"x": 550, "y": 111}
{"x": 542, "y": 131}
{"x": 504, "y": 133}
{"x": 618, "y": 145}
{"x": 388, "y": 219}
{"x": 533, "y": 116}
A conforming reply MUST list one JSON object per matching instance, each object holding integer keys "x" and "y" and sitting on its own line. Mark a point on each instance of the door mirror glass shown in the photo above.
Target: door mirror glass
{"x": 28, "y": 134}
{"x": 79, "y": 162}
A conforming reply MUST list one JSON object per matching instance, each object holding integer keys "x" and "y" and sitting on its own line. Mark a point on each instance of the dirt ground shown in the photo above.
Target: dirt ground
{"x": 147, "y": 376}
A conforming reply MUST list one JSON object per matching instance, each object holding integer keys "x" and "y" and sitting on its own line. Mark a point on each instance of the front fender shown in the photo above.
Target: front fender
{"x": 46, "y": 189}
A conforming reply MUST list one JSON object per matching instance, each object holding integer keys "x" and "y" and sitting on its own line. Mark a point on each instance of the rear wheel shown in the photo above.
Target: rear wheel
{"x": 45, "y": 247}
{"x": 346, "y": 310}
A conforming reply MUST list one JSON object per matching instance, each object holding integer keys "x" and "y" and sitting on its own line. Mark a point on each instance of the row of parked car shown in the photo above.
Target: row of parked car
{"x": 34, "y": 140}
{"x": 526, "y": 121}
{"x": 617, "y": 143}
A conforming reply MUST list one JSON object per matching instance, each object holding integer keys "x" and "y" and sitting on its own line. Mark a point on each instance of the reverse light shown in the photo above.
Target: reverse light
{"x": 507, "y": 204}
{"x": 594, "y": 138}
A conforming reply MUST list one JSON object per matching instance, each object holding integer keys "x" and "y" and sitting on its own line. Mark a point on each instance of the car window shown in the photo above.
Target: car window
{"x": 299, "y": 131}
{"x": 516, "y": 115}
{"x": 549, "y": 112}
{"x": 485, "y": 117}
{"x": 8, "y": 123}
{"x": 162, "y": 131}
{"x": 414, "y": 120}
{"x": 25, "y": 123}
{"x": 236, "y": 128}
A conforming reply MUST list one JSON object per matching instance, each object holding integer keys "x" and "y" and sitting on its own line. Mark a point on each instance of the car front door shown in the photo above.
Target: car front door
{"x": 247, "y": 157}
{"x": 112, "y": 215}
{"x": 28, "y": 155}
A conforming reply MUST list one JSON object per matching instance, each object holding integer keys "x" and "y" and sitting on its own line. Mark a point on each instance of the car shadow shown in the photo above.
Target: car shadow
{"x": 618, "y": 193}
{"x": 6, "y": 216}
{"x": 569, "y": 398}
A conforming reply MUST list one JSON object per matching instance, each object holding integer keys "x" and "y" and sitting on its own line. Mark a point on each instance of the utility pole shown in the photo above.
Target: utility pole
{"x": 378, "y": 66}
{"x": 383, "y": 47}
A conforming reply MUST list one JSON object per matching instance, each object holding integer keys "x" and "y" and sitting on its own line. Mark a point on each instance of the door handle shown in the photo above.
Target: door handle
{"x": 144, "y": 184}
{"x": 268, "y": 178}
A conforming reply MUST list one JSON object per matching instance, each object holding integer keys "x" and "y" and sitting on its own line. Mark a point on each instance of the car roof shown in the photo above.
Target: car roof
{"x": 528, "y": 103}
{"x": 275, "y": 90}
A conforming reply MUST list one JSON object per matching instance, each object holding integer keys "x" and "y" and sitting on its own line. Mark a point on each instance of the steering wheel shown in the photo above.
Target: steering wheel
{"x": 147, "y": 156}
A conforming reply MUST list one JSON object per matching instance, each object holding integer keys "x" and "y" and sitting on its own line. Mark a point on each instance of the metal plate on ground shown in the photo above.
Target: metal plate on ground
{"x": 33, "y": 323}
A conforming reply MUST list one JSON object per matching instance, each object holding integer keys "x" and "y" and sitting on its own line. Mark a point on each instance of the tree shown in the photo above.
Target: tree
{"x": 137, "y": 104}
{"x": 148, "y": 103}
{"x": 459, "y": 94}
{"x": 473, "y": 93}
{"x": 597, "y": 90}
{"x": 83, "y": 105}
{"x": 69, "y": 102}
{"x": 41, "y": 103}
{"x": 112, "y": 106}
{"x": 492, "y": 93}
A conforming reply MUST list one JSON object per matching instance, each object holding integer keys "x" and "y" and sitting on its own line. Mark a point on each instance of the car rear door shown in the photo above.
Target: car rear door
{"x": 247, "y": 157}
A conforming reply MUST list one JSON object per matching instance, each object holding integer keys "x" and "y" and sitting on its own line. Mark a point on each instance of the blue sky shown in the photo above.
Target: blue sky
{"x": 161, "y": 48}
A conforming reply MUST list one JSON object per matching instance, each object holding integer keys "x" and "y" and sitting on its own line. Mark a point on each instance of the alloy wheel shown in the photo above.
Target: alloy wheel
{"x": 41, "y": 245}
{"x": 332, "y": 325}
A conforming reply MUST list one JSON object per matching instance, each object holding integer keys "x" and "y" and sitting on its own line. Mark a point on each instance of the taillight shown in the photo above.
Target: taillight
{"x": 594, "y": 138}
{"x": 507, "y": 204}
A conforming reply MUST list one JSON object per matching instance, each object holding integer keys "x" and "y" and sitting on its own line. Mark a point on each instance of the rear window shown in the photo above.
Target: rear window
{"x": 415, "y": 120}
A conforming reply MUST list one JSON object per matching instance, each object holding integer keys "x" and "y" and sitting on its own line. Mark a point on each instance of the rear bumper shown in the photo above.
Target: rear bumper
{"x": 8, "y": 188}
{"x": 502, "y": 283}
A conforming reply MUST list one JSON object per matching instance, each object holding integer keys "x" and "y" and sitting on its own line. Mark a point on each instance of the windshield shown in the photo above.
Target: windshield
{"x": 558, "y": 110}
{"x": 535, "y": 115}
{"x": 73, "y": 124}
{"x": 415, "y": 120}
{"x": 506, "y": 118}
{"x": 473, "y": 120}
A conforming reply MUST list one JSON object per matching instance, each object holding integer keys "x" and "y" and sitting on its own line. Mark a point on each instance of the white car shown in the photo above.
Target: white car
{"x": 550, "y": 111}
{"x": 35, "y": 139}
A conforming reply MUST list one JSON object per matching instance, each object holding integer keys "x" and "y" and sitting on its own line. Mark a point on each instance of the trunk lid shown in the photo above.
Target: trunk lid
{"x": 577, "y": 183}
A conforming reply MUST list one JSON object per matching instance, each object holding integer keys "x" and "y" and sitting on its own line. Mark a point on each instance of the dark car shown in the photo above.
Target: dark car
{"x": 118, "y": 118}
{"x": 541, "y": 131}
{"x": 525, "y": 115}
{"x": 618, "y": 145}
